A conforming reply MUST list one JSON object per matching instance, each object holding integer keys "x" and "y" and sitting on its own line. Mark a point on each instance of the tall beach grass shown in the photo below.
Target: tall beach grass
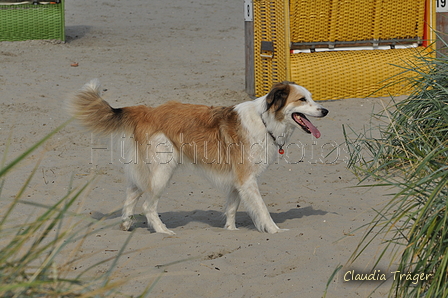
{"x": 408, "y": 152}
{"x": 37, "y": 254}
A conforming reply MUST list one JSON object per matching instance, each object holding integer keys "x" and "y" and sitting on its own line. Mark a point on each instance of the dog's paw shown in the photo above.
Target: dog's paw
{"x": 166, "y": 231}
{"x": 163, "y": 229}
{"x": 274, "y": 230}
{"x": 126, "y": 225}
{"x": 231, "y": 228}
{"x": 282, "y": 230}
{"x": 169, "y": 232}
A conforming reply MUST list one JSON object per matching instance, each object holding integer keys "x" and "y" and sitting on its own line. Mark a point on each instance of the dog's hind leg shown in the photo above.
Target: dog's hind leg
{"x": 150, "y": 209}
{"x": 255, "y": 206}
{"x": 133, "y": 193}
{"x": 233, "y": 202}
{"x": 160, "y": 176}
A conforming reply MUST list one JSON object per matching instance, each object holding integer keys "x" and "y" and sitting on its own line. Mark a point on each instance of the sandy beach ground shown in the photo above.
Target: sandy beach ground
{"x": 149, "y": 52}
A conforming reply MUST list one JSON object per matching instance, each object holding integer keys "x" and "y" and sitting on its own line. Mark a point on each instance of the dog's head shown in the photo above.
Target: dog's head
{"x": 291, "y": 104}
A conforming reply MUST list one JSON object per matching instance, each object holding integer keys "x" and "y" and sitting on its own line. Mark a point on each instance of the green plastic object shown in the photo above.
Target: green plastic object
{"x": 32, "y": 20}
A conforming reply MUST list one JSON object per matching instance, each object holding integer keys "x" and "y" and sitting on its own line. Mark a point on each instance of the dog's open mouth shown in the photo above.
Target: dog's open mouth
{"x": 305, "y": 124}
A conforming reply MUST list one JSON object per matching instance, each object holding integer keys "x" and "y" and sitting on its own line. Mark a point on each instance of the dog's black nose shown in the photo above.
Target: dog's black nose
{"x": 324, "y": 112}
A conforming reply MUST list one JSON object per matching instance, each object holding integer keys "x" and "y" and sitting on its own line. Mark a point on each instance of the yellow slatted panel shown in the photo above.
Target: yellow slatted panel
{"x": 270, "y": 24}
{"x": 352, "y": 20}
{"x": 400, "y": 19}
{"x": 347, "y": 73}
{"x": 310, "y": 20}
{"x": 349, "y": 20}
{"x": 352, "y": 74}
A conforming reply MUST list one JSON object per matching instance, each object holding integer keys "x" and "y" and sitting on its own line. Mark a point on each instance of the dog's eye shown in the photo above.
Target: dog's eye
{"x": 302, "y": 99}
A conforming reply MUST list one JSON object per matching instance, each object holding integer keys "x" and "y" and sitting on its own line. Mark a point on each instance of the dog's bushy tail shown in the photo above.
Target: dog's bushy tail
{"x": 93, "y": 112}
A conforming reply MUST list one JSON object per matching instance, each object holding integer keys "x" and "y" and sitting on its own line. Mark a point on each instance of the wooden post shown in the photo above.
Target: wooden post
{"x": 249, "y": 47}
{"x": 441, "y": 25}
{"x": 442, "y": 32}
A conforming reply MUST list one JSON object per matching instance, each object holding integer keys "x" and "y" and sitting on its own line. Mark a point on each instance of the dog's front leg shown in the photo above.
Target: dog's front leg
{"x": 256, "y": 208}
{"x": 233, "y": 202}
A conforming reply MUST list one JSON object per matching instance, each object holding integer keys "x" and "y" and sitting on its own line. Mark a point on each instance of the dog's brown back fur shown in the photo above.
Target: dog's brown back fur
{"x": 203, "y": 134}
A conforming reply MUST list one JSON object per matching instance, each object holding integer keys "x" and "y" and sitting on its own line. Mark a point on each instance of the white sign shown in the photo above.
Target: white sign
{"x": 441, "y": 5}
{"x": 248, "y": 15}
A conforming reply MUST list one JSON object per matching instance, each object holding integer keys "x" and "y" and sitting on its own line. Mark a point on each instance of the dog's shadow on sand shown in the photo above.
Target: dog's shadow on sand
{"x": 213, "y": 218}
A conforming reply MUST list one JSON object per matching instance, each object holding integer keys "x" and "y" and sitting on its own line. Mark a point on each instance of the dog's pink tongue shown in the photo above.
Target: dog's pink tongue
{"x": 312, "y": 128}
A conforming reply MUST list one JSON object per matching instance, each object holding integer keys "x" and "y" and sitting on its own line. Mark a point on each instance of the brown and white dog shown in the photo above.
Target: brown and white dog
{"x": 232, "y": 145}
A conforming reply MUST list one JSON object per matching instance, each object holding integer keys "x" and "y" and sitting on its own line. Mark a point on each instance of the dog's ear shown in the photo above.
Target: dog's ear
{"x": 276, "y": 98}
